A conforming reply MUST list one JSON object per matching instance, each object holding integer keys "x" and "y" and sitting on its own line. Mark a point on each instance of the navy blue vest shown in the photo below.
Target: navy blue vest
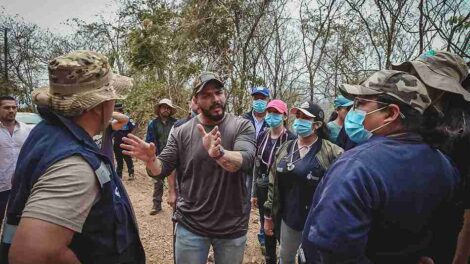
{"x": 110, "y": 233}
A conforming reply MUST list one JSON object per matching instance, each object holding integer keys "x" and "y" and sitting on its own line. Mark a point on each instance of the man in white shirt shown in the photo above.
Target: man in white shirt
{"x": 12, "y": 136}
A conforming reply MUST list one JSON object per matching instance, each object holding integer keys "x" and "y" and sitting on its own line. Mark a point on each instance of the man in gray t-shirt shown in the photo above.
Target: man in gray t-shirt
{"x": 211, "y": 153}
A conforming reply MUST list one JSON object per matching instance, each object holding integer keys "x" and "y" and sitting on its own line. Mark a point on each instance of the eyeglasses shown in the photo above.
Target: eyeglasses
{"x": 358, "y": 101}
{"x": 361, "y": 101}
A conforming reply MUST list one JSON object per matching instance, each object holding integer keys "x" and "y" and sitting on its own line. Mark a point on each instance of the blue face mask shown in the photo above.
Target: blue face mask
{"x": 273, "y": 120}
{"x": 354, "y": 125}
{"x": 259, "y": 106}
{"x": 302, "y": 127}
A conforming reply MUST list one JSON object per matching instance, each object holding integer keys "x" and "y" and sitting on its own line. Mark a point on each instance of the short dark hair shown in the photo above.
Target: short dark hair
{"x": 449, "y": 131}
{"x": 323, "y": 131}
{"x": 6, "y": 98}
{"x": 413, "y": 120}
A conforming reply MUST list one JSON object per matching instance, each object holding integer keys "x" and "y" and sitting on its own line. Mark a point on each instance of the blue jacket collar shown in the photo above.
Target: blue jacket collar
{"x": 78, "y": 132}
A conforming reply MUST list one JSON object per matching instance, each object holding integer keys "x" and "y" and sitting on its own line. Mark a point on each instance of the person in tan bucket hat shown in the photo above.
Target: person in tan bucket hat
{"x": 158, "y": 131}
{"x": 447, "y": 122}
{"x": 65, "y": 192}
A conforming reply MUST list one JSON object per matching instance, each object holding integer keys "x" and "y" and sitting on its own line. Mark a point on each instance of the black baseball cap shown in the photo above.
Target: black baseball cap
{"x": 310, "y": 109}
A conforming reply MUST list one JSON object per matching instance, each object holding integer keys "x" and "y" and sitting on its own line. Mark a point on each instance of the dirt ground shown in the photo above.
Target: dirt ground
{"x": 156, "y": 230}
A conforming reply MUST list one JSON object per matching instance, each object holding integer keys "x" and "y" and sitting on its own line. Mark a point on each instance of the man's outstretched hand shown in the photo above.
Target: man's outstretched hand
{"x": 211, "y": 141}
{"x": 139, "y": 149}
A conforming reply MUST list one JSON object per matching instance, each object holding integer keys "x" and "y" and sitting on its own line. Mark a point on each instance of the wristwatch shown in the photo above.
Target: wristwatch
{"x": 221, "y": 153}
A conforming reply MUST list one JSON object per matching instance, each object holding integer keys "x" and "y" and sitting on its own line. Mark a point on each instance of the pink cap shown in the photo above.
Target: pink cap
{"x": 279, "y": 105}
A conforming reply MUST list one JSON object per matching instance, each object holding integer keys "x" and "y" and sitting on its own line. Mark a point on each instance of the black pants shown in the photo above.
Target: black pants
{"x": 120, "y": 163}
{"x": 3, "y": 206}
{"x": 157, "y": 194}
{"x": 270, "y": 241}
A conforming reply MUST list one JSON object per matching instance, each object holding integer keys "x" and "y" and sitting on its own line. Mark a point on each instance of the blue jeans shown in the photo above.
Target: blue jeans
{"x": 194, "y": 249}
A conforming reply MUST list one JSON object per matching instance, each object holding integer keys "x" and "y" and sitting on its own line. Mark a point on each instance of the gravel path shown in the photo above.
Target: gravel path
{"x": 156, "y": 230}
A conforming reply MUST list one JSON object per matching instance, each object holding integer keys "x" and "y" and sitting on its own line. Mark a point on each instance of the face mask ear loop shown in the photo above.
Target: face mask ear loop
{"x": 377, "y": 128}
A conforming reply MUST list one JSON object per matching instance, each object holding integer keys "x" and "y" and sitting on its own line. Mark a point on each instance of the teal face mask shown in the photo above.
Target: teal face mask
{"x": 354, "y": 125}
{"x": 259, "y": 106}
{"x": 302, "y": 127}
{"x": 273, "y": 120}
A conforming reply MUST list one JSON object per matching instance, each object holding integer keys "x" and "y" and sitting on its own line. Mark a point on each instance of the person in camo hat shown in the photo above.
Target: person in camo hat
{"x": 382, "y": 201}
{"x": 448, "y": 125}
{"x": 65, "y": 192}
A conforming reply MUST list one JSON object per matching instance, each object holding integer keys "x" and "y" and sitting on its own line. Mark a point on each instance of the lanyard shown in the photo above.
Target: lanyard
{"x": 265, "y": 140}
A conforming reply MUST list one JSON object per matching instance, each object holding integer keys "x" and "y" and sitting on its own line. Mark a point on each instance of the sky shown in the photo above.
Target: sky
{"x": 52, "y": 14}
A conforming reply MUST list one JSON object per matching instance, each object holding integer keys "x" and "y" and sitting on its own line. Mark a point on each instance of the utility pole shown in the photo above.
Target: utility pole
{"x": 5, "y": 53}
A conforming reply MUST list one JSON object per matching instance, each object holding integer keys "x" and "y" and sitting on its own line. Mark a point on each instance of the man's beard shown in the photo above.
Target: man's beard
{"x": 165, "y": 114}
{"x": 9, "y": 117}
{"x": 215, "y": 118}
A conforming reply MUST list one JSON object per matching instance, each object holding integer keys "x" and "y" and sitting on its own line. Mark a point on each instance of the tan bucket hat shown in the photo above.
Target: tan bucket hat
{"x": 79, "y": 81}
{"x": 440, "y": 70}
{"x": 168, "y": 102}
{"x": 401, "y": 85}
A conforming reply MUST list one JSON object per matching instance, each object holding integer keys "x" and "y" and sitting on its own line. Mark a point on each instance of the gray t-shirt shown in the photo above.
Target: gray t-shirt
{"x": 211, "y": 201}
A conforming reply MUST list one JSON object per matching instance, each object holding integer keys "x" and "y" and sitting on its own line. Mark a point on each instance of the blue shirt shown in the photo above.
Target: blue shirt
{"x": 258, "y": 124}
{"x": 296, "y": 187}
{"x": 377, "y": 202}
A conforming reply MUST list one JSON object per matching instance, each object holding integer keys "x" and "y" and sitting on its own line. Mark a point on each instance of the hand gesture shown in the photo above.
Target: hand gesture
{"x": 268, "y": 227}
{"x": 137, "y": 148}
{"x": 211, "y": 141}
{"x": 171, "y": 199}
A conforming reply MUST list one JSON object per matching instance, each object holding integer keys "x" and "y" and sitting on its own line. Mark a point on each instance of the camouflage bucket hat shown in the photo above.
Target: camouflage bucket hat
{"x": 203, "y": 78}
{"x": 401, "y": 85}
{"x": 440, "y": 70}
{"x": 79, "y": 81}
